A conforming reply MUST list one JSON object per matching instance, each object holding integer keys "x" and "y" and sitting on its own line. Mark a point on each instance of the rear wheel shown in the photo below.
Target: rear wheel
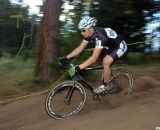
{"x": 66, "y": 99}
{"x": 121, "y": 81}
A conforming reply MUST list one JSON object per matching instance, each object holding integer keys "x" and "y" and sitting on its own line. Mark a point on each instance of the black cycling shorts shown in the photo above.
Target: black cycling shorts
{"x": 116, "y": 52}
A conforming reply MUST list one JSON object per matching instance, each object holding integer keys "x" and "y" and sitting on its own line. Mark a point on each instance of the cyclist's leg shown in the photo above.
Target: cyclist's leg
{"x": 112, "y": 56}
{"x": 107, "y": 61}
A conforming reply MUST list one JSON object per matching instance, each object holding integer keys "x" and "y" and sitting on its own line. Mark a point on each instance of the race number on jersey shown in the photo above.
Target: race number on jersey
{"x": 111, "y": 33}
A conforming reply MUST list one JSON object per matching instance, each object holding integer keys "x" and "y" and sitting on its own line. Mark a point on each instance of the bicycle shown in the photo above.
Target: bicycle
{"x": 68, "y": 97}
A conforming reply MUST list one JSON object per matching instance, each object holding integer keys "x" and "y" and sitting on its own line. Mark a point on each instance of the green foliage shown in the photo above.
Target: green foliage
{"x": 9, "y": 64}
{"x": 143, "y": 58}
{"x": 127, "y": 16}
{"x": 17, "y": 77}
{"x": 34, "y": 84}
{"x": 68, "y": 43}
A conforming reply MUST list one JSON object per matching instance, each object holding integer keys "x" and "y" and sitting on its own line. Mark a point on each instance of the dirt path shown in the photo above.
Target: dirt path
{"x": 139, "y": 111}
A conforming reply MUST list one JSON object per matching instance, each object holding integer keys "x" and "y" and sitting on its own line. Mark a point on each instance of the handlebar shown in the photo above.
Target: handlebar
{"x": 71, "y": 69}
{"x": 88, "y": 68}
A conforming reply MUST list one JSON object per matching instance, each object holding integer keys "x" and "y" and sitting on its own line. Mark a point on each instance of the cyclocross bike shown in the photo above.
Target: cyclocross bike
{"x": 68, "y": 98}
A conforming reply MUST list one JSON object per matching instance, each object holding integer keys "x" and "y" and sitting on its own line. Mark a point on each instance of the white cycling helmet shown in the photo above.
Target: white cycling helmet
{"x": 87, "y": 22}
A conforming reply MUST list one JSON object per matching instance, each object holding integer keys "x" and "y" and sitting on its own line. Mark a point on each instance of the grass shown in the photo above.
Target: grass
{"x": 17, "y": 77}
{"x": 15, "y": 69}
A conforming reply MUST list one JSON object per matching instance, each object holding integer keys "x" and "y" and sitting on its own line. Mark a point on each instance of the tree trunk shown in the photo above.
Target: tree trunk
{"x": 49, "y": 30}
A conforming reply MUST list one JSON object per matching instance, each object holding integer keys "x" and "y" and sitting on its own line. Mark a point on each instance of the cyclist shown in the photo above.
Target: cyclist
{"x": 106, "y": 42}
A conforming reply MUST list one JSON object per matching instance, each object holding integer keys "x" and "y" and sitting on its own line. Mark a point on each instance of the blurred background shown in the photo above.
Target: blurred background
{"x": 33, "y": 33}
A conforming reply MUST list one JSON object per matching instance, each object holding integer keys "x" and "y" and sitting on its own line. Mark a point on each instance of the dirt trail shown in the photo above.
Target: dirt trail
{"x": 139, "y": 111}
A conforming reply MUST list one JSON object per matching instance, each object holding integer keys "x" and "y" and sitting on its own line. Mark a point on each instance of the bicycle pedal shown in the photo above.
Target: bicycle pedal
{"x": 97, "y": 97}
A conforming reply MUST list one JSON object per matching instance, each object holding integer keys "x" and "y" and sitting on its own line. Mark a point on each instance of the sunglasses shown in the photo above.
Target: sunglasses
{"x": 83, "y": 30}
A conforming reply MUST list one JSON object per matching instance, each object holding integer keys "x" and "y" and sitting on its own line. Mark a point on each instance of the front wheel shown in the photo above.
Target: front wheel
{"x": 65, "y": 99}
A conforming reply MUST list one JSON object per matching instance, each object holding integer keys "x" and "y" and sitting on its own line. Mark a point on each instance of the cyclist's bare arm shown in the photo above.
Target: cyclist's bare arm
{"x": 77, "y": 50}
{"x": 91, "y": 59}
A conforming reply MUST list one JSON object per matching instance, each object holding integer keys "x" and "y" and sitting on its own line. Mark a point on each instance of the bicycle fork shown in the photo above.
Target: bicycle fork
{"x": 69, "y": 94}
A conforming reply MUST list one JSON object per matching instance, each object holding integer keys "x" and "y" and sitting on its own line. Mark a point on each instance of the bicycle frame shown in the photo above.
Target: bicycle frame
{"x": 82, "y": 81}
{"x": 79, "y": 78}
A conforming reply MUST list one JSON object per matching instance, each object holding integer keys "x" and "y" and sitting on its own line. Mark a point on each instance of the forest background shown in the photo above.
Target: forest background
{"x": 31, "y": 43}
